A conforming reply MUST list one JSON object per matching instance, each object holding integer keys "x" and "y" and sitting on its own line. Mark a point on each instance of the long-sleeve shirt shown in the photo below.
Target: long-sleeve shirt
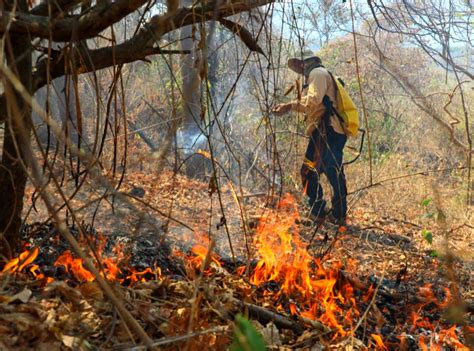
{"x": 320, "y": 83}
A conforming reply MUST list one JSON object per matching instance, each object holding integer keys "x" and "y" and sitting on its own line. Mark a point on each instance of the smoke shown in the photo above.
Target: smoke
{"x": 191, "y": 141}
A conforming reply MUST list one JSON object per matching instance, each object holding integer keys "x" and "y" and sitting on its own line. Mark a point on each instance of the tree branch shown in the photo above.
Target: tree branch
{"x": 57, "y": 7}
{"x": 78, "y": 27}
{"x": 141, "y": 45}
{"x": 244, "y": 35}
{"x": 134, "y": 49}
{"x": 101, "y": 16}
{"x": 418, "y": 98}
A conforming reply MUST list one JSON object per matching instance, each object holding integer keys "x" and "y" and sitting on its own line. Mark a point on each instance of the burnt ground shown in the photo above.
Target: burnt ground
{"x": 379, "y": 250}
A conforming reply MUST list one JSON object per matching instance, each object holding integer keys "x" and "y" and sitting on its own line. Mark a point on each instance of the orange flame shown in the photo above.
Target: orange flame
{"x": 293, "y": 309}
{"x": 240, "y": 270}
{"x": 379, "y": 342}
{"x": 111, "y": 264}
{"x": 74, "y": 266}
{"x": 368, "y": 295}
{"x": 426, "y": 292}
{"x": 422, "y": 344}
{"x": 140, "y": 276}
{"x": 285, "y": 259}
{"x": 111, "y": 269}
{"x": 19, "y": 263}
{"x": 449, "y": 336}
{"x": 438, "y": 338}
{"x": 200, "y": 251}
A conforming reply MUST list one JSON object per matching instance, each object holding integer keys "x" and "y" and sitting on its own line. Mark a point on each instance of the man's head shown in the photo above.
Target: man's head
{"x": 305, "y": 64}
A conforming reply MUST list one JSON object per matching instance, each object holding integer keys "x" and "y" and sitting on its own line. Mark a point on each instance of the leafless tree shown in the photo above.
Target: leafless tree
{"x": 31, "y": 32}
{"x": 440, "y": 29}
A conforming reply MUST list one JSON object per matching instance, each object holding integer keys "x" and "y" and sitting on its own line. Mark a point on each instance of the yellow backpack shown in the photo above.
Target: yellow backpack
{"x": 346, "y": 110}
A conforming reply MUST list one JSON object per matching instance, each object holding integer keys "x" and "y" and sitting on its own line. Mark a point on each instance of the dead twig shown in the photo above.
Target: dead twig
{"x": 372, "y": 301}
{"x": 316, "y": 324}
{"x": 265, "y": 316}
{"x": 37, "y": 178}
{"x": 409, "y": 175}
{"x": 173, "y": 339}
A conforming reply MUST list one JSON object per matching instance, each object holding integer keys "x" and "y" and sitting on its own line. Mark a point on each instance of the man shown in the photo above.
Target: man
{"x": 327, "y": 139}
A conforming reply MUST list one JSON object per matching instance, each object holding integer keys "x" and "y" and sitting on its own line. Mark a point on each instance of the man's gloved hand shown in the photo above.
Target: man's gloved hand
{"x": 281, "y": 109}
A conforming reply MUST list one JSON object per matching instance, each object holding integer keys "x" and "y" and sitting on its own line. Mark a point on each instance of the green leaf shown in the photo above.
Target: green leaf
{"x": 434, "y": 253}
{"x": 428, "y": 215}
{"x": 426, "y": 201}
{"x": 246, "y": 337}
{"x": 427, "y": 235}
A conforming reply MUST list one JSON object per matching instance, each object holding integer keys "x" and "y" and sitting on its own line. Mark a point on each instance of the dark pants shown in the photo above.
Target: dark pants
{"x": 325, "y": 151}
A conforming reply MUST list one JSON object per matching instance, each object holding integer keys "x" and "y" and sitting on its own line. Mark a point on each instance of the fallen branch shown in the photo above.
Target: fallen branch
{"x": 315, "y": 324}
{"x": 364, "y": 288}
{"x": 265, "y": 316}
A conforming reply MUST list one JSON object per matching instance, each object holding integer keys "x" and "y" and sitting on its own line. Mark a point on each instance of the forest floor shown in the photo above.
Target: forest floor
{"x": 386, "y": 281}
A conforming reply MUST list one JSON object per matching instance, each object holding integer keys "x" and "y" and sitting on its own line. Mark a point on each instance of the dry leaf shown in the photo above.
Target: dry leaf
{"x": 62, "y": 289}
{"x": 23, "y": 296}
{"x": 91, "y": 290}
{"x": 75, "y": 343}
{"x": 271, "y": 335}
{"x": 378, "y": 316}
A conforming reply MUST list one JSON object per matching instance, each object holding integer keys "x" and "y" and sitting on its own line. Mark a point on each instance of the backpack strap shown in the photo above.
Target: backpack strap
{"x": 329, "y": 104}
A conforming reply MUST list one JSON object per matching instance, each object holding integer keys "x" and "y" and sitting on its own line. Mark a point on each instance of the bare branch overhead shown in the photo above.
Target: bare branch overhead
{"x": 91, "y": 23}
{"x": 70, "y": 28}
{"x": 57, "y": 7}
{"x": 143, "y": 44}
{"x": 244, "y": 35}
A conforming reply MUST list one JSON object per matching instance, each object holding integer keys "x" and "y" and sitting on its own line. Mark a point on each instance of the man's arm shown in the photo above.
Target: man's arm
{"x": 316, "y": 91}
{"x": 295, "y": 105}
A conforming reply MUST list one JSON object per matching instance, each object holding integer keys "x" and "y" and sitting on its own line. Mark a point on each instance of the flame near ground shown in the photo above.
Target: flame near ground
{"x": 285, "y": 259}
{"x": 302, "y": 285}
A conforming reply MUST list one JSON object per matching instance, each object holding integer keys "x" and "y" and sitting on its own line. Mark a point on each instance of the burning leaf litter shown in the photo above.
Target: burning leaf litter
{"x": 310, "y": 302}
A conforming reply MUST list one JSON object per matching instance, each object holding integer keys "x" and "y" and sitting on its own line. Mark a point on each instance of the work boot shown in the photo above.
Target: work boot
{"x": 342, "y": 224}
{"x": 316, "y": 220}
{"x": 336, "y": 221}
{"x": 312, "y": 219}
{"x": 320, "y": 218}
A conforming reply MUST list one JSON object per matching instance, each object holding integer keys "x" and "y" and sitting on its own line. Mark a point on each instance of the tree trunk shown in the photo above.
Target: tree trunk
{"x": 13, "y": 174}
{"x": 190, "y": 131}
{"x": 190, "y": 136}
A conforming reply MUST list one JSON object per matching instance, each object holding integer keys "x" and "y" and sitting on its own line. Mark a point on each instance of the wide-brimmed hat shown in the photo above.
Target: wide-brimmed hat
{"x": 296, "y": 64}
